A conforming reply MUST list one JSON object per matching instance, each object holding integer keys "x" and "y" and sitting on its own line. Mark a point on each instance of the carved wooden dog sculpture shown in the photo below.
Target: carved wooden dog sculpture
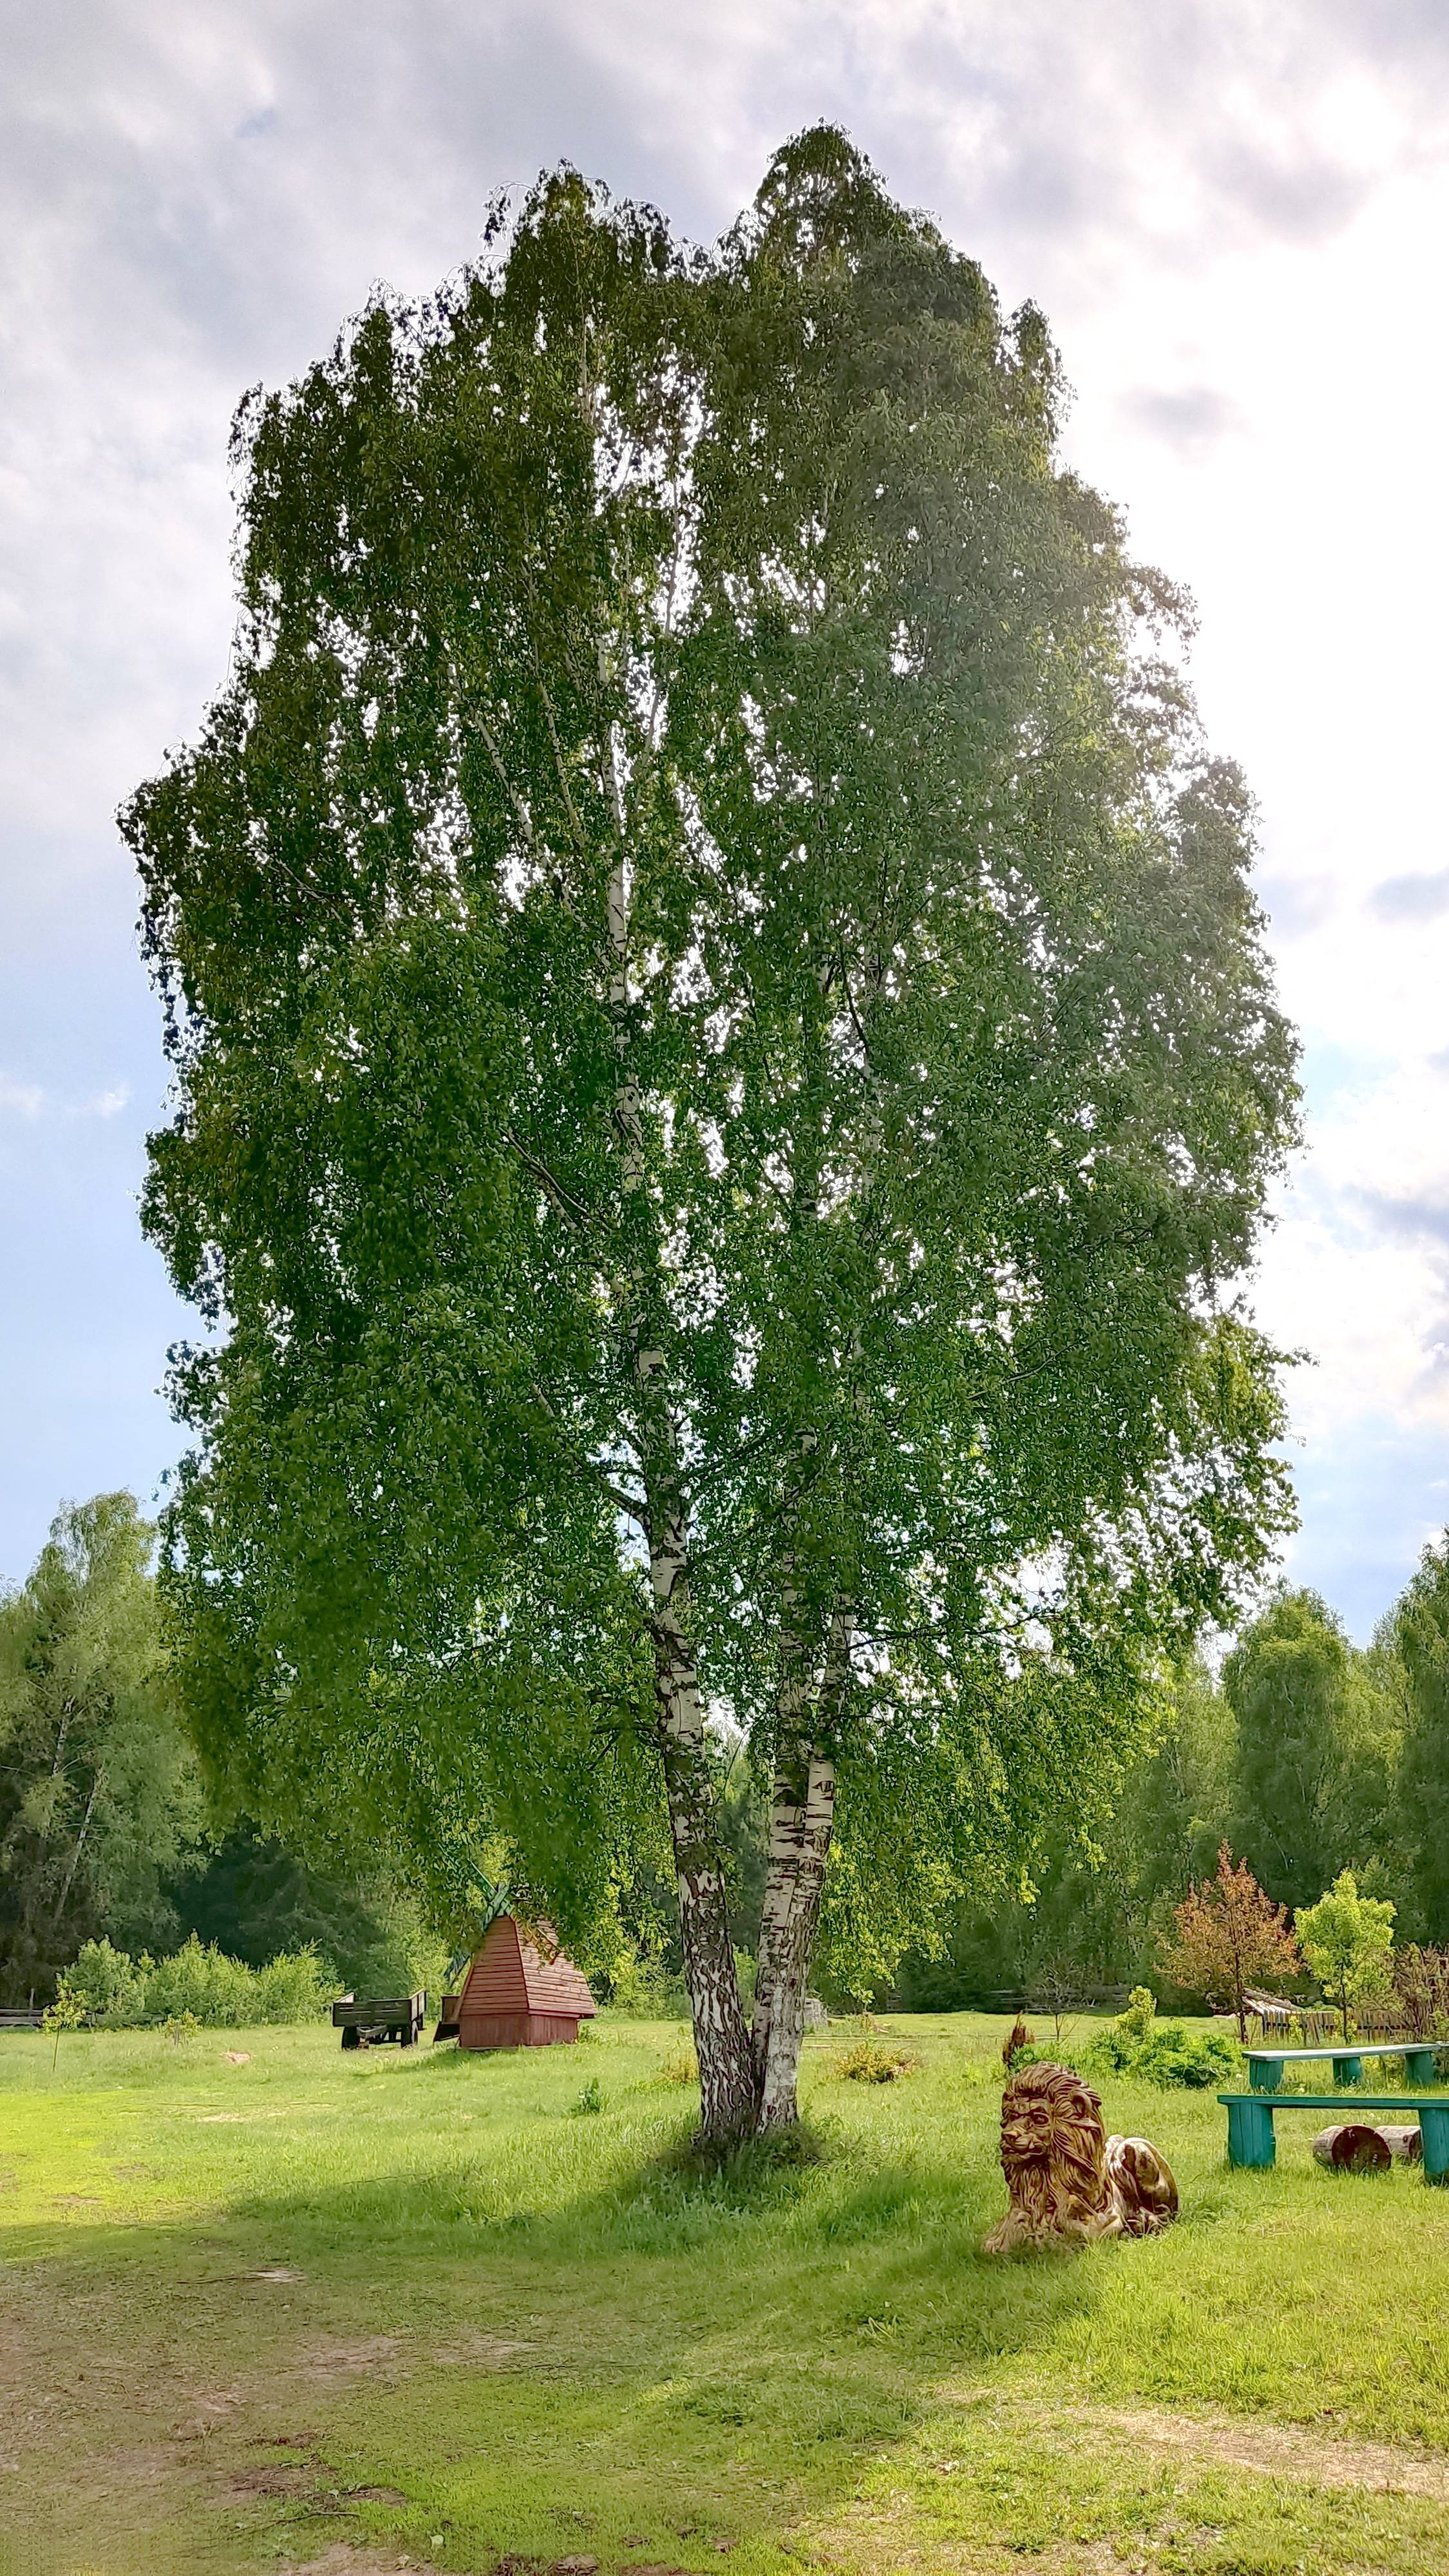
{"x": 1067, "y": 2180}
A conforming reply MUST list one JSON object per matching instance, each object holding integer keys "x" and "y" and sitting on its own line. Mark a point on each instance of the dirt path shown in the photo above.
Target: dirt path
{"x": 1274, "y": 2450}
{"x": 114, "y": 2418}
{"x": 1212, "y": 2439}
{"x": 899, "y": 2531}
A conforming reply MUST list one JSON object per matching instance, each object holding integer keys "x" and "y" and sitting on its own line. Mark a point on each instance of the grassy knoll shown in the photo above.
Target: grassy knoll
{"x": 360, "y": 2312}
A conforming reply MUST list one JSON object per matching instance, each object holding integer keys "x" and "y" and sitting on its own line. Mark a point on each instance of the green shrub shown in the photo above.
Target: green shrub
{"x": 644, "y": 1989}
{"x": 1040, "y": 2055}
{"x": 108, "y": 1988}
{"x": 197, "y": 1988}
{"x": 867, "y": 2064}
{"x": 1160, "y": 2052}
{"x": 218, "y": 1991}
{"x": 1197, "y": 2059}
{"x": 295, "y": 1986}
{"x": 1136, "y": 2023}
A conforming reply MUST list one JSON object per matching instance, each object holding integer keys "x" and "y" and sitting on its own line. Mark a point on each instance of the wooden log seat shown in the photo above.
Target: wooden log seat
{"x": 1252, "y": 2144}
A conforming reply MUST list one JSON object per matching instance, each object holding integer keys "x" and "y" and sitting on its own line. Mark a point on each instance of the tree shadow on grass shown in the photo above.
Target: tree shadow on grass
{"x": 640, "y": 2371}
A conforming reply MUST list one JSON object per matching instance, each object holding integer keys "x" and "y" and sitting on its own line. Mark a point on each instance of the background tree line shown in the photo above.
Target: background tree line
{"x": 104, "y": 1827}
{"x": 1308, "y": 1755}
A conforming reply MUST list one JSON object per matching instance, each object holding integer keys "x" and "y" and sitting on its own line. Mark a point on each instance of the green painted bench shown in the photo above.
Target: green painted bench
{"x": 1250, "y": 2123}
{"x": 1265, "y": 2065}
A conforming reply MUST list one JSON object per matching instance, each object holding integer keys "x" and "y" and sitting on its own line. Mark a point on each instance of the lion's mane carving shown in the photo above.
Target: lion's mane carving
{"x": 1066, "y": 2179}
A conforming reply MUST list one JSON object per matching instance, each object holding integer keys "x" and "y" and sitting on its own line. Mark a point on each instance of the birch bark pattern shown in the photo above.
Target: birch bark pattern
{"x": 74, "y": 1862}
{"x": 802, "y": 1819}
{"x": 726, "y": 2072}
{"x": 726, "y": 2069}
{"x": 803, "y": 1845}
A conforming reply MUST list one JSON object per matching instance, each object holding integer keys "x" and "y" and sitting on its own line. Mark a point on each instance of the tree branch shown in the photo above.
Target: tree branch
{"x": 568, "y": 1206}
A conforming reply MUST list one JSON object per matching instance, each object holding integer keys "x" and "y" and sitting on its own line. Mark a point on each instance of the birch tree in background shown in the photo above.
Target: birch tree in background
{"x": 725, "y": 1073}
{"x": 98, "y": 1794}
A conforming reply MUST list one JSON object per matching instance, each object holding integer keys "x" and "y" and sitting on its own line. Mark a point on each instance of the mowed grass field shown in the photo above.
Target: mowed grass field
{"x": 360, "y": 2313}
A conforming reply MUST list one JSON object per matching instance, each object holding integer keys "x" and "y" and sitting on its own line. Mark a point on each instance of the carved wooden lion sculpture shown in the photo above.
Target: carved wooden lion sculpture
{"x": 1067, "y": 2180}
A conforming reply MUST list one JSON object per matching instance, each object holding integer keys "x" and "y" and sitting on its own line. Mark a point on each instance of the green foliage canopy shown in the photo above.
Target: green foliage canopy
{"x": 1317, "y": 1748}
{"x": 98, "y": 1796}
{"x": 1346, "y": 1939}
{"x": 724, "y": 1059}
{"x": 1420, "y": 1642}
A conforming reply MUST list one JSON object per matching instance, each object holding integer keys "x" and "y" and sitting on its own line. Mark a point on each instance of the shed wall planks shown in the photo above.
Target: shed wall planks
{"x": 515, "y": 1998}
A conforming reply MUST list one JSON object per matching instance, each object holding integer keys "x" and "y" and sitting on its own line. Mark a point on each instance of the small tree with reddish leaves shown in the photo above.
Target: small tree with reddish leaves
{"x": 1229, "y": 1936}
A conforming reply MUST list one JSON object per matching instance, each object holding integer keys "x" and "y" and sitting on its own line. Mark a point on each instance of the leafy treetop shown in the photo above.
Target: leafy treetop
{"x": 725, "y": 1062}
{"x": 1230, "y": 1936}
{"x": 1346, "y": 1939}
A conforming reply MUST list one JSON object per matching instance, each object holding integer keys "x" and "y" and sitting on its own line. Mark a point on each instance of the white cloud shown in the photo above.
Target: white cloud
{"x": 1231, "y": 215}
{"x": 1417, "y": 897}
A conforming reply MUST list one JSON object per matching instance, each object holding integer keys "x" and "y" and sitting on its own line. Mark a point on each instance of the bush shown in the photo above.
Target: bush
{"x": 1160, "y": 2052}
{"x": 645, "y": 1990}
{"x": 108, "y": 1988}
{"x": 638, "y": 1984}
{"x": 197, "y": 1988}
{"x": 295, "y": 1986}
{"x": 1421, "y": 1984}
{"x": 218, "y": 1992}
{"x": 867, "y": 2064}
{"x": 1197, "y": 2059}
{"x": 1038, "y": 2055}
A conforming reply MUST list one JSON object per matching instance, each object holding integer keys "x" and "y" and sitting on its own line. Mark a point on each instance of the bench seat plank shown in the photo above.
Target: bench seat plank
{"x": 1265, "y": 2065}
{"x": 1334, "y": 2101}
{"x": 1353, "y": 2048}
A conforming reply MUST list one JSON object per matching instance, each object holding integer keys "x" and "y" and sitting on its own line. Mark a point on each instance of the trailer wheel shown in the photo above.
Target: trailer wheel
{"x": 351, "y": 2035}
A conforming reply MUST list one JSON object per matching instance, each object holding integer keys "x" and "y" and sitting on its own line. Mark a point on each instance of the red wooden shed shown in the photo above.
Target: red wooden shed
{"x": 515, "y": 1997}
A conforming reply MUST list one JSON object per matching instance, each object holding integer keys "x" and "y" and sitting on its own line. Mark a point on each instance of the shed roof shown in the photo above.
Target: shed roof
{"x": 510, "y": 1974}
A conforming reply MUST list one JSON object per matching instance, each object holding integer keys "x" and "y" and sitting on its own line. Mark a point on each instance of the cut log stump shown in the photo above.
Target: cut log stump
{"x": 1350, "y": 2147}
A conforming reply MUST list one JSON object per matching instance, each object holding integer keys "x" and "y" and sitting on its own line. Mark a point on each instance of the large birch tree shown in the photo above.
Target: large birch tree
{"x": 725, "y": 1071}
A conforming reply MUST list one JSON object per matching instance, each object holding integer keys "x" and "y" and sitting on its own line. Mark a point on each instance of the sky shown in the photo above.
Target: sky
{"x": 1234, "y": 217}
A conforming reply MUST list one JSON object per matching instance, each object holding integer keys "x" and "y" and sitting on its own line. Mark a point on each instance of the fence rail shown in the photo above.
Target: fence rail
{"x": 1318, "y": 2025}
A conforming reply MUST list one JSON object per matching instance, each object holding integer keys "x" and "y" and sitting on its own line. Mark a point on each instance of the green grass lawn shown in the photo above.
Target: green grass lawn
{"x": 419, "y": 2309}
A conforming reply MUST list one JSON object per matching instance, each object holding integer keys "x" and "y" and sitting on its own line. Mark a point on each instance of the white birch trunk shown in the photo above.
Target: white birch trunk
{"x": 786, "y": 2028}
{"x": 726, "y": 2071}
{"x": 787, "y": 1821}
{"x": 74, "y": 1862}
{"x": 801, "y": 1824}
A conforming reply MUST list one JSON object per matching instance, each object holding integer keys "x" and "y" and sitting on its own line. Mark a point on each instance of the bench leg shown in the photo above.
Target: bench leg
{"x": 1266, "y": 2075}
{"x": 1347, "y": 2070}
{"x": 1250, "y": 2134}
{"x": 1418, "y": 2066}
{"x": 1434, "y": 2130}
